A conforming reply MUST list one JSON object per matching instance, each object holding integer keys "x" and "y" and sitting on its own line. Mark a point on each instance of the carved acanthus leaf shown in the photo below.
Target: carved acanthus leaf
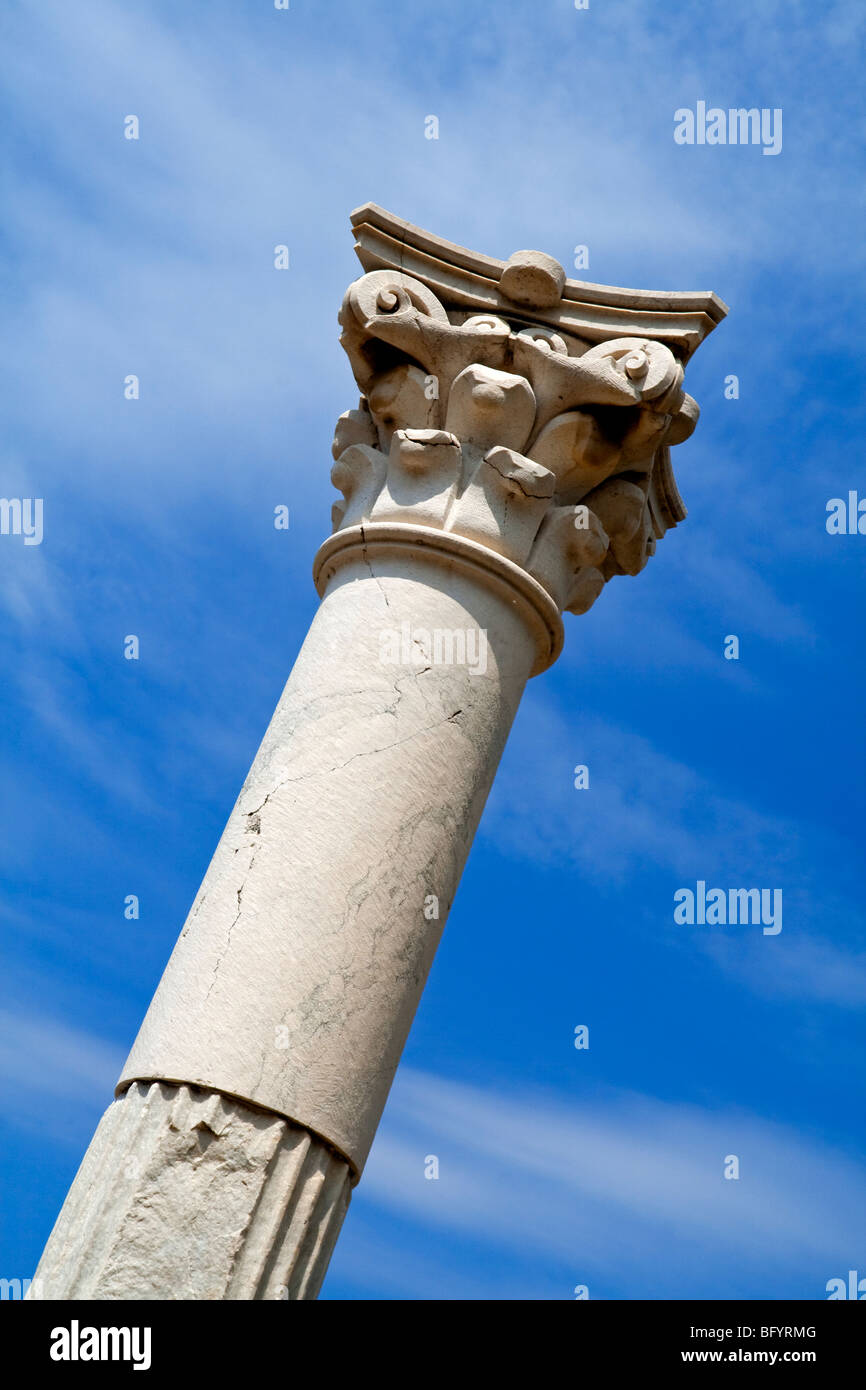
{"x": 549, "y": 450}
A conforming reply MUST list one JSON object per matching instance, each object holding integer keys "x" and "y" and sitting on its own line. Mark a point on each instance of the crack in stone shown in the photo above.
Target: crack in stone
{"x": 373, "y": 574}
{"x": 367, "y": 753}
{"x": 371, "y": 752}
{"x": 232, "y": 925}
{"x": 511, "y": 477}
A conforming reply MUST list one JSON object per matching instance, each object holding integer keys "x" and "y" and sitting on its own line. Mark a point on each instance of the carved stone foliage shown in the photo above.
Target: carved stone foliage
{"x": 548, "y": 449}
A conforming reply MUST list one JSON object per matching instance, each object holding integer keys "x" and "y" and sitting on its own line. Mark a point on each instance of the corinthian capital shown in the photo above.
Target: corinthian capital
{"x": 512, "y": 409}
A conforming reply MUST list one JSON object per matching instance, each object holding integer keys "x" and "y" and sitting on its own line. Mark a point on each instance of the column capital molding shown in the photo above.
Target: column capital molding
{"x": 470, "y": 280}
{"x": 511, "y": 408}
{"x": 378, "y": 540}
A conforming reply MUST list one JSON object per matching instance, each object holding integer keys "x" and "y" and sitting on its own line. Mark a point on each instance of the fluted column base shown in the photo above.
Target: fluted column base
{"x": 186, "y": 1193}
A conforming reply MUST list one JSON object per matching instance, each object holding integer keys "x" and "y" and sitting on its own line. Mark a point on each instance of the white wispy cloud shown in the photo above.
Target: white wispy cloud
{"x": 801, "y": 967}
{"x": 644, "y": 807}
{"x": 647, "y": 812}
{"x": 598, "y": 1187}
{"x": 55, "y": 1078}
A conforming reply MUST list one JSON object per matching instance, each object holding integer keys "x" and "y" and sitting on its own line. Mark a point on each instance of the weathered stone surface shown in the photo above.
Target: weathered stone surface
{"x": 533, "y": 278}
{"x": 188, "y": 1194}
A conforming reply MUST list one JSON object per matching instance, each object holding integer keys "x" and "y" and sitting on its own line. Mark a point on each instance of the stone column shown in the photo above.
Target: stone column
{"x": 509, "y": 456}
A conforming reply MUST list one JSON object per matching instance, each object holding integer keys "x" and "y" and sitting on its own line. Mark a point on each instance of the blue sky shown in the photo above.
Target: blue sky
{"x": 558, "y": 1167}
